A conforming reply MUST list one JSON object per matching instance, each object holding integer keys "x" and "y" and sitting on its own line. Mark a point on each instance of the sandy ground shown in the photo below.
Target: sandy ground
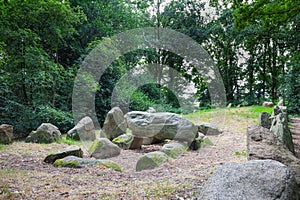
{"x": 24, "y": 175}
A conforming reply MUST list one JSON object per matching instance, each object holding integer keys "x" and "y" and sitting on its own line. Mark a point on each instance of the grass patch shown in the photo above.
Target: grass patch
{"x": 69, "y": 141}
{"x": 2, "y": 146}
{"x": 240, "y": 153}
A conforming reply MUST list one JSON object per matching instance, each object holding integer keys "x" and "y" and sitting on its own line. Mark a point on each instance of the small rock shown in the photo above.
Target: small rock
{"x": 200, "y": 142}
{"x": 264, "y": 120}
{"x": 268, "y": 104}
{"x": 123, "y": 141}
{"x": 103, "y": 148}
{"x": 84, "y": 130}
{"x": 208, "y": 129}
{"x": 151, "y": 110}
{"x": 115, "y": 123}
{"x": 151, "y": 160}
{"x": 174, "y": 149}
{"x": 45, "y": 133}
{"x": 69, "y": 151}
{"x": 76, "y": 162}
{"x": 6, "y": 134}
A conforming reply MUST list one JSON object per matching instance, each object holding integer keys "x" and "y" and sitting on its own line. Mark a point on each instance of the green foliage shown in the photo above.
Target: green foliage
{"x": 254, "y": 44}
{"x": 2, "y": 146}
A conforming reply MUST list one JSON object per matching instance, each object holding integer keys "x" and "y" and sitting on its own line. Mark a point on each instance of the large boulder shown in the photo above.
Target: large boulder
{"x": 6, "y": 134}
{"x": 45, "y": 133}
{"x": 103, "y": 148}
{"x": 69, "y": 151}
{"x": 264, "y": 120}
{"x": 280, "y": 128}
{"x": 84, "y": 130}
{"x": 161, "y": 126}
{"x": 123, "y": 141}
{"x": 76, "y": 162}
{"x": 208, "y": 129}
{"x": 114, "y": 124}
{"x": 259, "y": 180}
{"x": 263, "y": 144}
{"x": 151, "y": 160}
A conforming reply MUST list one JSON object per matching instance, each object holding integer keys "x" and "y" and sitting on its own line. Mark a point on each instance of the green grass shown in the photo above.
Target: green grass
{"x": 248, "y": 112}
{"x": 65, "y": 140}
{"x": 2, "y": 146}
{"x": 241, "y": 153}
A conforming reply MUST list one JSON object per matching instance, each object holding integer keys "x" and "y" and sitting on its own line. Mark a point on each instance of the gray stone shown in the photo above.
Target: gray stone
{"x": 280, "y": 102}
{"x": 69, "y": 151}
{"x": 174, "y": 149}
{"x": 151, "y": 110}
{"x": 268, "y": 104}
{"x": 151, "y": 160}
{"x": 45, "y": 133}
{"x": 200, "y": 142}
{"x": 264, "y": 120}
{"x": 147, "y": 140}
{"x": 281, "y": 130}
{"x": 259, "y": 180}
{"x": 114, "y": 124}
{"x": 103, "y": 148}
{"x": 208, "y": 129}
{"x": 6, "y": 134}
{"x": 123, "y": 141}
{"x": 84, "y": 130}
{"x": 76, "y": 162}
{"x": 161, "y": 126}
{"x": 263, "y": 144}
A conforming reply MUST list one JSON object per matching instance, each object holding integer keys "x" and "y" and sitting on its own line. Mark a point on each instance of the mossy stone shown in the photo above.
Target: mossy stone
{"x": 174, "y": 149}
{"x": 76, "y": 162}
{"x": 151, "y": 160}
{"x": 67, "y": 163}
{"x": 123, "y": 141}
{"x": 111, "y": 164}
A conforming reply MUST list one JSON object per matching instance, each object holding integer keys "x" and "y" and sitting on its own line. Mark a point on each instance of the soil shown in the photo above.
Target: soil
{"x": 24, "y": 175}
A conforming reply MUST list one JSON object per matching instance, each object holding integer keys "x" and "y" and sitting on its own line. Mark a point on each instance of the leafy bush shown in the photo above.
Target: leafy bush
{"x": 26, "y": 118}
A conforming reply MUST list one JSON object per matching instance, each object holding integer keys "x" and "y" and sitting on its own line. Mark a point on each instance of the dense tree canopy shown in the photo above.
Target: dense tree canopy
{"x": 254, "y": 44}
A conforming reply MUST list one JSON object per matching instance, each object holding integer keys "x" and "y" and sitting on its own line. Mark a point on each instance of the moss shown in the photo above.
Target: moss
{"x": 112, "y": 165}
{"x": 96, "y": 144}
{"x": 68, "y": 163}
{"x": 123, "y": 139}
{"x": 151, "y": 160}
{"x": 174, "y": 150}
{"x": 241, "y": 153}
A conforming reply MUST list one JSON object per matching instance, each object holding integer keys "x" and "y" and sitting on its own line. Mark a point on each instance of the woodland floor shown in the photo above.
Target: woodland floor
{"x": 23, "y": 174}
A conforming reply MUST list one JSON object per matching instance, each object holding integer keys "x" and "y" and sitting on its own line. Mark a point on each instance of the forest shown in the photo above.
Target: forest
{"x": 254, "y": 44}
